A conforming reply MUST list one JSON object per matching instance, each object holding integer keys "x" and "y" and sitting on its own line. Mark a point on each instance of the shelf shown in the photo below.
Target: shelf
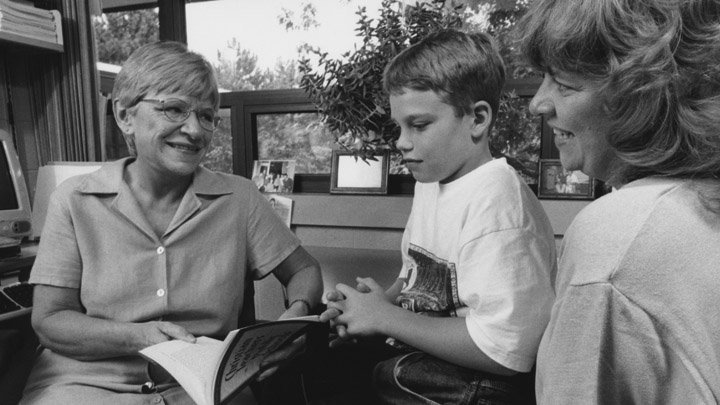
{"x": 6, "y": 38}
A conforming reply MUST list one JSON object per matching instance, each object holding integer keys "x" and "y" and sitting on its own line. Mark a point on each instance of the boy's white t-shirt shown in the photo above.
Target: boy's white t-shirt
{"x": 482, "y": 247}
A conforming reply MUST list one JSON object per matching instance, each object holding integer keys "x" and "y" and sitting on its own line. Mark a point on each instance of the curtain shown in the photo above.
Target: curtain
{"x": 65, "y": 87}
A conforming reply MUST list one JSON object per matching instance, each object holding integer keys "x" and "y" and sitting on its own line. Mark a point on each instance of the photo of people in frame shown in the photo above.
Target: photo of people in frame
{"x": 274, "y": 176}
{"x": 282, "y": 207}
{"x": 557, "y": 183}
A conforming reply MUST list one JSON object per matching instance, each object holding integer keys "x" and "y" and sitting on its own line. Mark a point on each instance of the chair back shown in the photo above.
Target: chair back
{"x": 247, "y": 313}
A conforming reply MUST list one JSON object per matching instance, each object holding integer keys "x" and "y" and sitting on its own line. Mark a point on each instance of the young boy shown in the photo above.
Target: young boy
{"x": 475, "y": 290}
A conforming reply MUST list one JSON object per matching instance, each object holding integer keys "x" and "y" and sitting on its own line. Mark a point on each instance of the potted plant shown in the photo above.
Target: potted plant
{"x": 348, "y": 91}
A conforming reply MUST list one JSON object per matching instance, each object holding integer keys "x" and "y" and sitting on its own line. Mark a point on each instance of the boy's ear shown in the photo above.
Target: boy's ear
{"x": 483, "y": 117}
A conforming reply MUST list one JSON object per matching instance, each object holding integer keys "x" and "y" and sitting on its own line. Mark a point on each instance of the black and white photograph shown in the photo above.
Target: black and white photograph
{"x": 274, "y": 176}
{"x": 555, "y": 182}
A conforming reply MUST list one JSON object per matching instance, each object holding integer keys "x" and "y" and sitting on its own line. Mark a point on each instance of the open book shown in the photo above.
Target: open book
{"x": 212, "y": 371}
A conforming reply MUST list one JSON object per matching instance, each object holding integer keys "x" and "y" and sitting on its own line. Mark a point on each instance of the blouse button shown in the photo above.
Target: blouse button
{"x": 160, "y": 250}
{"x": 160, "y": 292}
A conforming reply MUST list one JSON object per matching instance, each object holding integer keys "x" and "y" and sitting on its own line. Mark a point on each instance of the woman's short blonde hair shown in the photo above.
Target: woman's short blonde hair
{"x": 164, "y": 67}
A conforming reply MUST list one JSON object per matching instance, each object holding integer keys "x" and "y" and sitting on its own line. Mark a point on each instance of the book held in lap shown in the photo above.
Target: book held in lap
{"x": 212, "y": 371}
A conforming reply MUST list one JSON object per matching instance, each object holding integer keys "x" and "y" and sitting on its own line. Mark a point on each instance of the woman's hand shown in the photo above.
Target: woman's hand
{"x": 150, "y": 333}
{"x": 274, "y": 360}
{"x": 330, "y": 315}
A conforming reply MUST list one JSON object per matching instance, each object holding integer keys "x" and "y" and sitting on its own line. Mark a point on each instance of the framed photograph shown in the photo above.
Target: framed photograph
{"x": 282, "y": 207}
{"x": 555, "y": 182}
{"x": 274, "y": 176}
{"x": 353, "y": 175}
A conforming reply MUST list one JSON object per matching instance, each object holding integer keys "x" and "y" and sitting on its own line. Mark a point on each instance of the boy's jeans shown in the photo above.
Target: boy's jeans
{"x": 419, "y": 378}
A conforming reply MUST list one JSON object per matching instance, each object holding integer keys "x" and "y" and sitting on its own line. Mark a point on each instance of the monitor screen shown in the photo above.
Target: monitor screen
{"x": 8, "y": 198}
{"x": 15, "y": 214}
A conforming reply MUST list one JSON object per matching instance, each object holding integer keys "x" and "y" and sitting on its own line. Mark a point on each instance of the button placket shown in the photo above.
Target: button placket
{"x": 162, "y": 292}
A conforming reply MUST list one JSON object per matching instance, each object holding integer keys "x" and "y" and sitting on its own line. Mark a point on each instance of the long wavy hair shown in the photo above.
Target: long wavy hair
{"x": 659, "y": 65}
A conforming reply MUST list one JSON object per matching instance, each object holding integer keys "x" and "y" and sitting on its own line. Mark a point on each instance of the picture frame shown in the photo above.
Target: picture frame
{"x": 555, "y": 182}
{"x": 351, "y": 174}
{"x": 282, "y": 206}
{"x": 274, "y": 176}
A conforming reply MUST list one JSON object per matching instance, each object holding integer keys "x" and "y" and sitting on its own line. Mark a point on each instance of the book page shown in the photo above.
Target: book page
{"x": 191, "y": 364}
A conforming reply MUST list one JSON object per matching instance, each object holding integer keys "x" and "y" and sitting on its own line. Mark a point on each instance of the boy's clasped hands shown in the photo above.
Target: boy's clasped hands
{"x": 358, "y": 311}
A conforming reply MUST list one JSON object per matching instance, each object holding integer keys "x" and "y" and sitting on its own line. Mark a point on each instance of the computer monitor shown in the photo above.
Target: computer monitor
{"x": 15, "y": 212}
{"x": 48, "y": 178}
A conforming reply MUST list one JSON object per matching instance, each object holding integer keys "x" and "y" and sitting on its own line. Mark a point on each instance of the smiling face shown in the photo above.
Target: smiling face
{"x": 436, "y": 144}
{"x": 165, "y": 147}
{"x": 574, "y": 110}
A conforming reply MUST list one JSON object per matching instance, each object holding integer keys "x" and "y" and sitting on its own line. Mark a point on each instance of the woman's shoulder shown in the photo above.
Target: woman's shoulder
{"x": 620, "y": 214}
{"x": 633, "y": 199}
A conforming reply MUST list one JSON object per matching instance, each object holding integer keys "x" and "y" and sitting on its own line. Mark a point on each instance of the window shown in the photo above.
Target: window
{"x": 118, "y": 32}
{"x": 258, "y": 117}
{"x": 256, "y": 45}
{"x": 257, "y": 113}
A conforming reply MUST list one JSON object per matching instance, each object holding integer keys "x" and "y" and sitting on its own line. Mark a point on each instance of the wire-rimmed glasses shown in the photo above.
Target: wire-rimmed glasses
{"x": 177, "y": 110}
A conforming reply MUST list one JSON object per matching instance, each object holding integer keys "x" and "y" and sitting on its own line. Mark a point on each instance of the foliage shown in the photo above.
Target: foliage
{"x": 348, "y": 91}
{"x": 501, "y": 23}
{"x": 119, "y": 34}
{"x": 219, "y": 156}
{"x": 241, "y": 71}
{"x": 515, "y": 136}
{"x": 280, "y": 136}
{"x": 301, "y": 137}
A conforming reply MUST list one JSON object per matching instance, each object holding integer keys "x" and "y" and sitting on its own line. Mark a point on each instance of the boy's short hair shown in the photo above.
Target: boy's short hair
{"x": 462, "y": 68}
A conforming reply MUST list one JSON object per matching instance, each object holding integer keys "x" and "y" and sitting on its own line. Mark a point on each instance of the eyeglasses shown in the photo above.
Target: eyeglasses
{"x": 177, "y": 110}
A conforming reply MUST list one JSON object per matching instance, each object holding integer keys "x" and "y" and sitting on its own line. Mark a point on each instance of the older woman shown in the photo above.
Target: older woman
{"x": 152, "y": 247}
{"x": 632, "y": 93}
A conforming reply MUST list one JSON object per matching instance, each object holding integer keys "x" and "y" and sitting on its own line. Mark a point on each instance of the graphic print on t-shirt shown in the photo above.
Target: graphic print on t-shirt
{"x": 431, "y": 285}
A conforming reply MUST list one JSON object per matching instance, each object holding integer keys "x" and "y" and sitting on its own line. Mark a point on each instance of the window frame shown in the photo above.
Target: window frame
{"x": 245, "y": 105}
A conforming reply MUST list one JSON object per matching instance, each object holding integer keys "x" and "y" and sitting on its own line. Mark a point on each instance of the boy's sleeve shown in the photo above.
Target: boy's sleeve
{"x": 507, "y": 285}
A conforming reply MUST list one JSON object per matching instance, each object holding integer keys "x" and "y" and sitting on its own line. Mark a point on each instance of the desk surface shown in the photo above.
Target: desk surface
{"x": 21, "y": 263}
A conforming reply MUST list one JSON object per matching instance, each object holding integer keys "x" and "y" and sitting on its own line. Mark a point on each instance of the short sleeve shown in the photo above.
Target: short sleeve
{"x": 620, "y": 359}
{"x": 508, "y": 288}
{"x": 270, "y": 241}
{"x": 58, "y": 261}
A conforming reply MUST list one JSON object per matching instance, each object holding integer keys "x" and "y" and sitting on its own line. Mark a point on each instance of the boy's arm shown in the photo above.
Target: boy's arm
{"x": 394, "y": 290}
{"x": 444, "y": 338}
{"x": 373, "y": 313}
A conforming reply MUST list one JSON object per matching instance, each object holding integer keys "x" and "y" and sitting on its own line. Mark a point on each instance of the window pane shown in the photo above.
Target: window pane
{"x": 255, "y": 45}
{"x": 219, "y": 157}
{"x": 299, "y": 136}
{"x": 118, "y": 34}
{"x": 516, "y": 135}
